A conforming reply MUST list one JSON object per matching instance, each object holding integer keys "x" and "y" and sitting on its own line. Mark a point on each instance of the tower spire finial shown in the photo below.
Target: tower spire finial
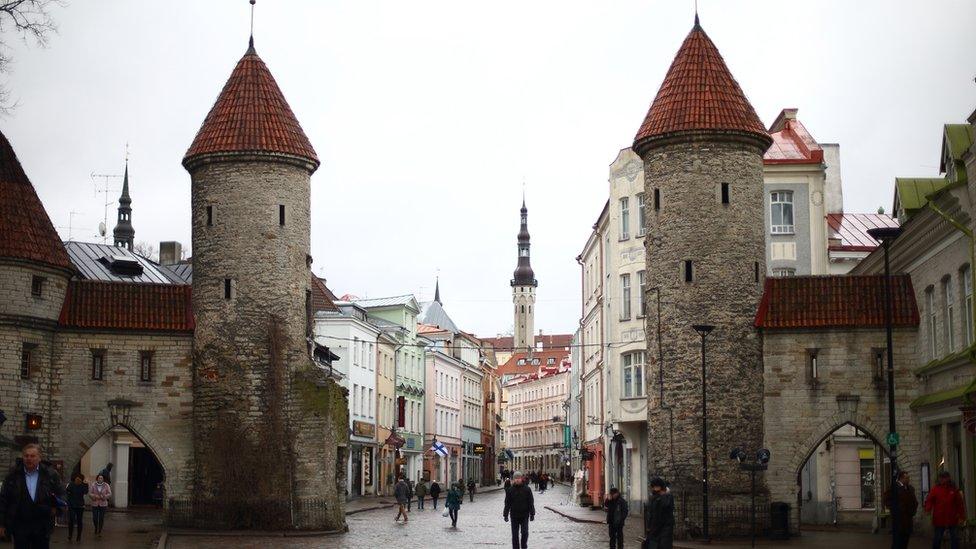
{"x": 250, "y": 41}
{"x": 696, "y": 13}
{"x": 437, "y": 289}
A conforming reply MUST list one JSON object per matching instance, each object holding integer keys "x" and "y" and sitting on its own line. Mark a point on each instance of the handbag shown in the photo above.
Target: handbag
{"x": 446, "y": 512}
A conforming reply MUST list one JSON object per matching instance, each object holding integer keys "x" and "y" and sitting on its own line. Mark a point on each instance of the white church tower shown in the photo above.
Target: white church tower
{"x": 523, "y": 289}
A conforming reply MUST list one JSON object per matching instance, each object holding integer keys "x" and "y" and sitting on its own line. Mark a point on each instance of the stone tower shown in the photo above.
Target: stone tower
{"x": 702, "y": 146}
{"x": 34, "y": 271}
{"x": 523, "y": 289}
{"x": 261, "y": 408}
{"x": 124, "y": 234}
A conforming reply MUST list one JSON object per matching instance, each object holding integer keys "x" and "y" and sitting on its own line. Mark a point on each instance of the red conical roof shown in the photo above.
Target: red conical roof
{"x": 26, "y": 232}
{"x": 699, "y": 94}
{"x": 251, "y": 115}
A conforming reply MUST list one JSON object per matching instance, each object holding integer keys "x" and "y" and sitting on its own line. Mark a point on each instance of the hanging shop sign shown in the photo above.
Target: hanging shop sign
{"x": 363, "y": 429}
{"x": 368, "y": 466}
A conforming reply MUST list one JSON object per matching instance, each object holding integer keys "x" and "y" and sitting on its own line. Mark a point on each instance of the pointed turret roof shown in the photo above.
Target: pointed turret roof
{"x": 26, "y": 231}
{"x": 698, "y": 95}
{"x": 125, "y": 199}
{"x": 251, "y": 116}
{"x": 437, "y": 290}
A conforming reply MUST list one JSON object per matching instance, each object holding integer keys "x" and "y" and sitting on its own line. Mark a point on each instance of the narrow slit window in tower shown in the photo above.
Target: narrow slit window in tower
{"x": 725, "y": 193}
{"x": 210, "y": 216}
{"x": 814, "y": 365}
{"x": 281, "y": 214}
{"x": 228, "y": 288}
{"x": 688, "y": 270}
{"x": 756, "y": 270}
{"x": 657, "y": 199}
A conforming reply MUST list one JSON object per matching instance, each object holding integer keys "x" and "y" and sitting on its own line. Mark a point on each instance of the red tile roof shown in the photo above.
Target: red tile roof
{"x": 549, "y": 341}
{"x": 428, "y": 329}
{"x": 322, "y": 298}
{"x": 512, "y": 367}
{"x": 845, "y": 301}
{"x": 26, "y": 232}
{"x": 95, "y": 304}
{"x": 698, "y": 93}
{"x": 251, "y": 115}
{"x": 792, "y": 143}
{"x": 849, "y": 232}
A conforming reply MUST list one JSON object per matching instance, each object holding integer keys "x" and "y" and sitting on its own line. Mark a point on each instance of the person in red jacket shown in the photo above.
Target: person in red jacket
{"x": 948, "y": 509}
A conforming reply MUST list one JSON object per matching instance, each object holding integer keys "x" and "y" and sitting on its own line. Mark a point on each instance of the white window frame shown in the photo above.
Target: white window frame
{"x": 641, "y": 290}
{"x": 967, "y": 289}
{"x": 783, "y": 202}
{"x": 624, "y": 217}
{"x": 632, "y": 368}
{"x": 930, "y": 310}
{"x": 783, "y": 272}
{"x": 950, "y": 322}
{"x": 625, "y": 296}
{"x": 641, "y": 217}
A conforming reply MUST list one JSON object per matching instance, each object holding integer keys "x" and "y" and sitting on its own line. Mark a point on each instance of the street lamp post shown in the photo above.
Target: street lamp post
{"x": 886, "y": 235}
{"x": 703, "y": 331}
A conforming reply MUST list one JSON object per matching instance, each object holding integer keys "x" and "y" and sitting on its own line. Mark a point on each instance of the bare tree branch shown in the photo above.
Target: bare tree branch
{"x": 31, "y": 21}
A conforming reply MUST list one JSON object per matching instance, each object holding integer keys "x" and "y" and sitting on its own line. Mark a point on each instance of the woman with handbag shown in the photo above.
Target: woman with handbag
{"x": 99, "y": 493}
{"x": 453, "y": 503}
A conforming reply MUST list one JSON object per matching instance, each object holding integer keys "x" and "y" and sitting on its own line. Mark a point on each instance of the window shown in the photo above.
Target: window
{"x": 624, "y": 218}
{"x": 688, "y": 270}
{"x": 967, "y": 290}
{"x": 866, "y": 459}
{"x": 228, "y": 288}
{"x": 98, "y": 364}
{"x": 210, "y": 216}
{"x": 878, "y": 363}
{"x": 37, "y": 286}
{"x": 657, "y": 199}
{"x": 725, "y": 193}
{"x": 813, "y": 363}
{"x": 624, "y": 297}
{"x": 281, "y": 214}
{"x": 950, "y": 325}
{"x": 145, "y": 366}
{"x": 550, "y": 361}
{"x": 641, "y": 218}
{"x": 755, "y": 271}
{"x": 930, "y": 310}
{"x": 633, "y": 374}
{"x": 641, "y": 289}
{"x": 781, "y": 212}
{"x": 784, "y": 272}
{"x": 26, "y": 360}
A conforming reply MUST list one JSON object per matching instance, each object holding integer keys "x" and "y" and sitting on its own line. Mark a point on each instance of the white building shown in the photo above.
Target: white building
{"x": 349, "y": 335}
{"x": 534, "y": 419}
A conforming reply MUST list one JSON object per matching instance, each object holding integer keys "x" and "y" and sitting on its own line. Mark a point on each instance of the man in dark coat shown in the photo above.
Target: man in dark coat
{"x": 435, "y": 492}
{"x": 617, "y": 511}
{"x": 29, "y": 500}
{"x": 903, "y": 504}
{"x": 520, "y": 505}
{"x": 659, "y": 518}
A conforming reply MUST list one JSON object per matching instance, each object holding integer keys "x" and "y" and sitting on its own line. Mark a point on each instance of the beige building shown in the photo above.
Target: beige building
{"x": 534, "y": 423}
{"x": 385, "y": 413}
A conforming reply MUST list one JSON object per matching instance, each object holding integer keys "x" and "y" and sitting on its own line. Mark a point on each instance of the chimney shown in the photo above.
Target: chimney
{"x": 170, "y": 253}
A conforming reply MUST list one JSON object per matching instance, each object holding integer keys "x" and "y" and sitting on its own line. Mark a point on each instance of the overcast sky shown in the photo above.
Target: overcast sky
{"x": 428, "y": 116}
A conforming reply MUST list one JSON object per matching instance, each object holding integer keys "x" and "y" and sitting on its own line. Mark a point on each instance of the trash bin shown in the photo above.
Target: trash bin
{"x": 779, "y": 520}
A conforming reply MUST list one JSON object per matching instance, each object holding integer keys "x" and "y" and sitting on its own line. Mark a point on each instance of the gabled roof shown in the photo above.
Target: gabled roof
{"x": 699, "y": 94}
{"x": 251, "y": 116}
{"x": 393, "y": 301}
{"x": 433, "y": 313}
{"x": 956, "y": 140}
{"x": 911, "y": 193}
{"x": 548, "y": 341}
{"x": 322, "y": 297}
{"x": 99, "y": 305}
{"x": 844, "y": 301}
{"x": 848, "y": 232}
{"x": 26, "y": 232}
{"x": 94, "y": 262}
{"x": 512, "y": 366}
{"x": 792, "y": 143}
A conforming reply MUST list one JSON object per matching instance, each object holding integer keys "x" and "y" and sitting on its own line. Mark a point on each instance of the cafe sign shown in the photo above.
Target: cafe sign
{"x": 363, "y": 429}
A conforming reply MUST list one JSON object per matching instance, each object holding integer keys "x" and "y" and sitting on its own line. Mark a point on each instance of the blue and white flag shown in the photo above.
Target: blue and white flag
{"x": 439, "y": 448}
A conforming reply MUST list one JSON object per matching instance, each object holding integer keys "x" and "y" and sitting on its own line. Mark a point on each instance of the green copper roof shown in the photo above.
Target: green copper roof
{"x": 912, "y": 192}
{"x": 944, "y": 396}
{"x": 959, "y": 137}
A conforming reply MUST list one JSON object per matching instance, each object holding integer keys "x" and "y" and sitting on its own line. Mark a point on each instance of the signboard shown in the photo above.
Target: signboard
{"x": 395, "y": 440}
{"x": 479, "y": 449}
{"x": 367, "y": 466}
{"x": 363, "y": 429}
{"x": 893, "y": 439}
{"x": 567, "y": 440}
{"x": 412, "y": 443}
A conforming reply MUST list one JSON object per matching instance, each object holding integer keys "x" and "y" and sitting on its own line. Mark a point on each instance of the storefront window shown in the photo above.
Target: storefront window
{"x": 866, "y": 457}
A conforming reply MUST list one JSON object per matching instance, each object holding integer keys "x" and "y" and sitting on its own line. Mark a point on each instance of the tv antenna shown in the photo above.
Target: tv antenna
{"x": 70, "y": 226}
{"x": 105, "y": 191}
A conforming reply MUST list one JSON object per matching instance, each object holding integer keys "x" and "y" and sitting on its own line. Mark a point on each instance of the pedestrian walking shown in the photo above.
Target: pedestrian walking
{"x": 76, "y": 492}
{"x": 400, "y": 492}
{"x": 543, "y": 482}
{"x": 520, "y": 506}
{"x": 617, "y": 510}
{"x": 29, "y": 500}
{"x": 903, "y": 504}
{"x": 409, "y": 495}
{"x": 420, "y": 492}
{"x": 435, "y": 492}
{"x": 107, "y": 473}
{"x": 99, "y": 493}
{"x": 453, "y": 502}
{"x": 460, "y": 487}
{"x": 471, "y": 487}
{"x": 659, "y": 518}
{"x": 948, "y": 509}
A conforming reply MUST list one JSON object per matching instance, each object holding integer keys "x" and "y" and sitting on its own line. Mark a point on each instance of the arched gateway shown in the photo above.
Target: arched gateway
{"x": 824, "y": 353}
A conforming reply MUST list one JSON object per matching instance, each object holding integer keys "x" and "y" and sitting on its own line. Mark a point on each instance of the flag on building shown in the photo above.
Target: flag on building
{"x": 439, "y": 448}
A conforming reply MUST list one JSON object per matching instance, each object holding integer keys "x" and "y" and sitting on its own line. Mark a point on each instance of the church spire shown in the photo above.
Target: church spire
{"x": 437, "y": 290}
{"x": 524, "y": 276}
{"x": 124, "y": 234}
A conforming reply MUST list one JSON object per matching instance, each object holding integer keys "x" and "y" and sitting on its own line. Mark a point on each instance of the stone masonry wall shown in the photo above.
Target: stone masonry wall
{"x": 250, "y": 352}
{"x": 15, "y": 291}
{"x": 801, "y": 412}
{"x": 726, "y": 244}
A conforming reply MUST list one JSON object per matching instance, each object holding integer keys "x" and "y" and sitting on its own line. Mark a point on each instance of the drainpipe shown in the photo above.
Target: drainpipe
{"x": 972, "y": 266}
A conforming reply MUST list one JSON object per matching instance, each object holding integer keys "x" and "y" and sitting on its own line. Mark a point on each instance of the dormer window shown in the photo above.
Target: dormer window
{"x": 37, "y": 286}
